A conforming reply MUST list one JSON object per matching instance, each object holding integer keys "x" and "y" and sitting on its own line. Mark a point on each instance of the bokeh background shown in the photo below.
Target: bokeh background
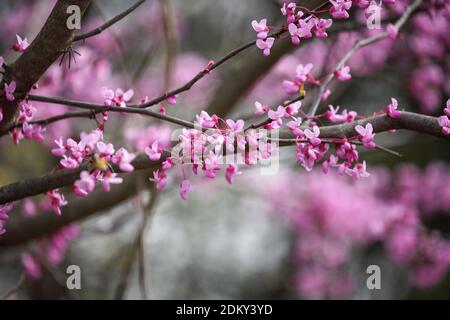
{"x": 295, "y": 235}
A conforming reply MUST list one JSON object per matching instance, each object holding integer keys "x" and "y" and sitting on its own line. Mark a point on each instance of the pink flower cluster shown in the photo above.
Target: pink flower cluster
{"x": 52, "y": 248}
{"x": 444, "y": 121}
{"x": 331, "y": 217}
{"x": 4, "y": 209}
{"x": 93, "y": 154}
{"x": 298, "y": 27}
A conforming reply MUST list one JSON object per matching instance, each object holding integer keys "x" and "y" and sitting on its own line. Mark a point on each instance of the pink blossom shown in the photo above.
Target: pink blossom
{"x": 4, "y": 209}
{"x": 1, "y": 114}
{"x": 207, "y": 121}
{"x": 339, "y": 9}
{"x": 108, "y": 179}
{"x": 260, "y": 109}
{"x": 447, "y": 108}
{"x": 278, "y": 114}
{"x": 294, "y": 127}
{"x": 444, "y": 122}
{"x": 167, "y": 164}
{"x": 313, "y": 136}
{"x": 32, "y": 266}
{"x": 343, "y": 74}
{"x": 293, "y": 108}
{"x": 366, "y": 135}
{"x": 333, "y": 116}
{"x": 9, "y": 91}
{"x": 32, "y": 131}
{"x": 69, "y": 162}
{"x": 392, "y": 31}
{"x": 265, "y": 45}
{"x": 154, "y": 153}
{"x": 289, "y": 11}
{"x": 359, "y": 171}
{"x": 391, "y": 109}
{"x": 123, "y": 159}
{"x": 26, "y": 111}
{"x": 172, "y": 100}
{"x": 321, "y": 26}
{"x": 235, "y": 126}
{"x": 84, "y": 185}
{"x": 21, "y": 45}
{"x": 118, "y": 98}
{"x": 301, "y": 31}
{"x": 57, "y": 201}
{"x": 303, "y": 72}
{"x": 325, "y": 94}
{"x": 185, "y": 188}
{"x": 160, "y": 178}
{"x": 261, "y": 28}
{"x": 232, "y": 170}
{"x": 105, "y": 150}
{"x": 2, "y": 61}
{"x": 16, "y": 135}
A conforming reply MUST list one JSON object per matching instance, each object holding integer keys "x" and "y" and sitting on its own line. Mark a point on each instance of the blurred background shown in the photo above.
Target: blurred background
{"x": 295, "y": 235}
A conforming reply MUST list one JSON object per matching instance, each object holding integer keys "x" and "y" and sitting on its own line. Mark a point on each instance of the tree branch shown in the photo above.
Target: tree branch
{"x": 51, "y": 41}
{"x": 109, "y": 23}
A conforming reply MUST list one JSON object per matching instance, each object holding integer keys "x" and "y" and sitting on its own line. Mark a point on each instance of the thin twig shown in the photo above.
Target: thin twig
{"x": 109, "y": 23}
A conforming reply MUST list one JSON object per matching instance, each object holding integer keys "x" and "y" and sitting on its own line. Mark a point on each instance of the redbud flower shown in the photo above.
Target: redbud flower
{"x": 359, "y": 171}
{"x": 391, "y": 109}
{"x": 313, "y": 136}
{"x": 2, "y": 61}
{"x": 321, "y": 26}
{"x": 167, "y": 164}
{"x": 105, "y": 150}
{"x": 26, "y": 111}
{"x": 265, "y": 45}
{"x": 232, "y": 170}
{"x": 108, "y": 179}
{"x": 343, "y": 74}
{"x": 444, "y": 122}
{"x": 392, "y": 31}
{"x": 154, "y": 153}
{"x": 123, "y": 159}
{"x": 261, "y": 28}
{"x": 32, "y": 266}
{"x": 84, "y": 185}
{"x": 118, "y": 98}
{"x": 9, "y": 91}
{"x": 366, "y": 135}
{"x": 294, "y": 127}
{"x": 69, "y": 162}
{"x": 160, "y": 178}
{"x": 172, "y": 100}
{"x": 21, "y": 45}
{"x": 447, "y": 108}
{"x": 332, "y": 114}
{"x": 185, "y": 188}
{"x": 57, "y": 201}
{"x": 277, "y": 115}
{"x": 338, "y": 10}
{"x": 260, "y": 109}
{"x": 207, "y": 121}
{"x": 32, "y": 131}
{"x": 1, "y": 114}
{"x": 4, "y": 209}
{"x": 235, "y": 126}
{"x": 293, "y": 108}
{"x": 326, "y": 94}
